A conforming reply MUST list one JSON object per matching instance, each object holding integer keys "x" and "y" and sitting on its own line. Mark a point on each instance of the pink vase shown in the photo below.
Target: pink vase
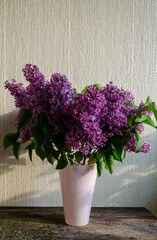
{"x": 77, "y": 186}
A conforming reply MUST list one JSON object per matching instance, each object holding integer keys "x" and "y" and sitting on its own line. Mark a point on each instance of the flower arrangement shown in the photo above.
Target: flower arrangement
{"x": 98, "y": 125}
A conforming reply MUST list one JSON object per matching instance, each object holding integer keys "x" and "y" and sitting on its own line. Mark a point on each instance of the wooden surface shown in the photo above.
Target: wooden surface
{"x": 38, "y": 223}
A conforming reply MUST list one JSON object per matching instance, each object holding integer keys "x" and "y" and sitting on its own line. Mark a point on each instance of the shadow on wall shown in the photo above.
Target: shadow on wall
{"x": 7, "y": 159}
{"x": 44, "y": 178}
{"x": 133, "y": 184}
{"x": 135, "y": 181}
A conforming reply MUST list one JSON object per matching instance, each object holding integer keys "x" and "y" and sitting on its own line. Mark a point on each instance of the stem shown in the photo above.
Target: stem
{"x": 143, "y": 108}
{"x": 62, "y": 154}
{"x": 66, "y": 158}
{"x": 84, "y": 160}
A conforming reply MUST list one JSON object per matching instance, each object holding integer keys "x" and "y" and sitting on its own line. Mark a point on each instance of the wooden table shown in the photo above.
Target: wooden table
{"x": 47, "y": 223}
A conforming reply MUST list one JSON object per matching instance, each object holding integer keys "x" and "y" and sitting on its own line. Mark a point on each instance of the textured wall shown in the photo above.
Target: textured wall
{"x": 89, "y": 41}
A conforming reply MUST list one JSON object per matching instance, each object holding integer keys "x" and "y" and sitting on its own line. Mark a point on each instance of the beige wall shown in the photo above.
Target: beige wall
{"x": 90, "y": 41}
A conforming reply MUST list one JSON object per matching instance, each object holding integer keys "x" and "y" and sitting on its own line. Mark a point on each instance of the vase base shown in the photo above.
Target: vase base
{"x": 76, "y": 224}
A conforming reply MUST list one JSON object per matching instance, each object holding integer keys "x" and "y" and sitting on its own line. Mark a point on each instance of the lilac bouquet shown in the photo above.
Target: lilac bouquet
{"x": 97, "y": 125}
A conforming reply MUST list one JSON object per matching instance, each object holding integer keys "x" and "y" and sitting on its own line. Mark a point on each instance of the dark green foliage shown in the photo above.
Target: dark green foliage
{"x": 38, "y": 137}
{"x": 139, "y": 141}
{"x": 85, "y": 89}
{"x": 62, "y": 163}
{"x": 145, "y": 119}
{"x": 97, "y": 85}
{"x": 16, "y": 149}
{"x": 30, "y": 148}
{"x": 59, "y": 140}
{"x": 109, "y": 162}
{"x": 10, "y": 139}
{"x": 100, "y": 164}
{"x": 78, "y": 156}
{"x": 25, "y": 119}
{"x": 46, "y": 125}
{"x": 117, "y": 147}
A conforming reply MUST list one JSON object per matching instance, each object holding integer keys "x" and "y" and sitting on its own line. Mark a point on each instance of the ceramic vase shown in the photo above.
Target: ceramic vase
{"x": 77, "y": 186}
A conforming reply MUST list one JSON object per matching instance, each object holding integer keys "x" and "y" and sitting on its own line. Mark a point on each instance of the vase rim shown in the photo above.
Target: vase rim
{"x": 79, "y": 165}
{"x": 83, "y": 165}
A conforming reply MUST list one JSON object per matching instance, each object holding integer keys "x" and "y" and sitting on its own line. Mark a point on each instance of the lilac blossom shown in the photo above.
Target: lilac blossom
{"x": 87, "y": 120}
{"x": 19, "y": 92}
{"x": 59, "y": 94}
{"x": 116, "y": 119}
{"x": 146, "y": 147}
{"x": 40, "y": 96}
{"x": 132, "y": 145}
{"x": 82, "y": 121}
{"x": 96, "y": 116}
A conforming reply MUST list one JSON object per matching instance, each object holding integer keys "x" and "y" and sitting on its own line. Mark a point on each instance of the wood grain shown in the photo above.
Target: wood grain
{"x": 105, "y": 223}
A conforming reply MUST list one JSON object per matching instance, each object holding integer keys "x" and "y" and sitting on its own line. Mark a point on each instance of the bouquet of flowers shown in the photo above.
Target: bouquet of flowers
{"x": 98, "y": 125}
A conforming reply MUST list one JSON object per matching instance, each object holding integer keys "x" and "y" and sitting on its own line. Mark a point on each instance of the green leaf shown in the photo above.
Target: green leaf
{"x": 71, "y": 158}
{"x": 10, "y": 139}
{"x": 30, "y": 148}
{"x": 62, "y": 163}
{"x": 50, "y": 158}
{"x": 109, "y": 162}
{"x": 30, "y": 153}
{"x": 66, "y": 148}
{"x": 117, "y": 153}
{"x": 141, "y": 119}
{"x": 92, "y": 159}
{"x": 47, "y": 148}
{"x": 105, "y": 149}
{"x": 126, "y": 136}
{"x": 78, "y": 156}
{"x": 46, "y": 125}
{"x": 97, "y": 85}
{"x": 130, "y": 119}
{"x": 49, "y": 120}
{"x": 139, "y": 141}
{"x": 16, "y": 149}
{"x": 85, "y": 89}
{"x": 41, "y": 153}
{"x": 134, "y": 106}
{"x": 147, "y": 102}
{"x": 117, "y": 147}
{"x": 153, "y": 108}
{"x": 98, "y": 157}
{"x": 55, "y": 154}
{"x": 59, "y": 140}
{"x": 124, "y": 154}
{"x": 25, "y": 118}
{"x": 38, "y": 137}
{"x": 100, "y": 164}
{"x": 71, "y": 162}
{"x": 71, "y": 155}
{"x": 127, "y": 103}
{"x": 145, "y": 119}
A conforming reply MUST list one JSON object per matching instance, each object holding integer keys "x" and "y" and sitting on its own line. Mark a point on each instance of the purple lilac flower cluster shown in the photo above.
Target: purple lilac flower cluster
{"x": 97, "y": 115}
{"x": 87, "y": 120}
{"x": 82, "y": 120}
{"x": 41, "y": 96}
